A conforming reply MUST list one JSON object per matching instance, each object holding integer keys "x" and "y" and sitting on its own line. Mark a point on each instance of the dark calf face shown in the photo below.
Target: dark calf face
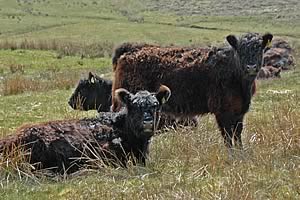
{"x": 92, "y": 93}
{"x": 143, "y": 108}
{"x": 250, "y": 48}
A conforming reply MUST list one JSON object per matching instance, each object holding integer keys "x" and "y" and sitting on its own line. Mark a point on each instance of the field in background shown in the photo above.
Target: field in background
{"x": 46, "y": 46}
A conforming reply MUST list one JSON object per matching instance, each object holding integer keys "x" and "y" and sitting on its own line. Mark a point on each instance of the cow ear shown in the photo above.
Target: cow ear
{"x": 163, "y": 94}
{"x": 122, "y": 95}
{"x": 267, "y": 38}
{"x": 233, "y": 41}
{"x": 91, "y": 77}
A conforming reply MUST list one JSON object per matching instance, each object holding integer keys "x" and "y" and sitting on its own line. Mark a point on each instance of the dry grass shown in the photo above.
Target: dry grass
{"x": 18, "y": 83}
{"x": 63, "y": 48}
{"x": 14, "y": 164}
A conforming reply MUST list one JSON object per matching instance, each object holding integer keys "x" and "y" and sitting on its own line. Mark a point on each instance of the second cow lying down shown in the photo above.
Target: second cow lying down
{"x": 114, "y": 137}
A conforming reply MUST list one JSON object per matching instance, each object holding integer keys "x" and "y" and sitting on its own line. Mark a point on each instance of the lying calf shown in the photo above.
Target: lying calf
{"x": 114, "y": 137}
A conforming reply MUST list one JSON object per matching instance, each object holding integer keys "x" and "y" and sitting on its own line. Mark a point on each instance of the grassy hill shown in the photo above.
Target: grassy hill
{"x": 46, "y": 46}
{"x": 89, "y": 21}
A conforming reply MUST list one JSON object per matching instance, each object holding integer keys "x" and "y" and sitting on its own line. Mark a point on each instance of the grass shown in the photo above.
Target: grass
{"x": 109, "y": 22}
{"x": 36, "y": 70}
{"x": 37, "y": 79}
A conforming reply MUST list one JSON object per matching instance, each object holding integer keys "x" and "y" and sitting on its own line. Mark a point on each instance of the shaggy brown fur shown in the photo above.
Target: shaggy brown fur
{"x": 279, "y": 58}
{"x": 127, "y": 48}
{"x": 166, "y": 120}
{"x": 269, "y": 72}
{"x": 202, "y": 80}
{"x": 114, "y": 137}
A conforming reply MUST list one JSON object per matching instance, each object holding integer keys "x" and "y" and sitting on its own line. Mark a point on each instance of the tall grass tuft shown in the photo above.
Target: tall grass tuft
{"x": 14, "y": 164}
{"x": 18, "y": 83}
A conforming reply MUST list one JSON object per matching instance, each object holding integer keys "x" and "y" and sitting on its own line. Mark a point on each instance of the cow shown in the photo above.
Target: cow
{"x": 114, "y": 137}
{"x": 269, "y": 72}
{"x": 93, "y": 93}
{"x": 214, "y": 80}
{"x": 279, "y": 55}
{"x": 165, "y": 120}
{"x": 279, "y": 58}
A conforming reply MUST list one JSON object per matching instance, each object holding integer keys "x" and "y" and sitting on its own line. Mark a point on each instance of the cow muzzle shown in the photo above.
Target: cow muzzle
{"x": 148, "y": 122}
{"x": 252, "y": 70}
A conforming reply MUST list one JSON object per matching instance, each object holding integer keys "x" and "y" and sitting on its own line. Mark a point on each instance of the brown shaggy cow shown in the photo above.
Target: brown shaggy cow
{"x": 127, "y": 48}
{"x": 114, "y": 137}
{"x": 202, "y": 80}
{"x": 165, "y": 120}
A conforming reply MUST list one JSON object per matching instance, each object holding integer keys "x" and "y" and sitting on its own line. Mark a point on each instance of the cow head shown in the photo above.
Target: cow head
{"x": 143, "y": 108}
{"x": 250, "y": 48}
{"x": 92, "y": 93}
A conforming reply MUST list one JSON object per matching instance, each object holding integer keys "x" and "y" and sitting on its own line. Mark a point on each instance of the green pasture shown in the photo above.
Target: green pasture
{"x": 38, "y": 75}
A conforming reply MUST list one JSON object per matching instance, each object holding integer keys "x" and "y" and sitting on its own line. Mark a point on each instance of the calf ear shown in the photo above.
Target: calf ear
{"x": 267, "y": 38}
{"x": 233, "y": 41}
{"x": 122, "y": 95}
{"x": 91, "y": 77}
{"x": 163, "y": 94}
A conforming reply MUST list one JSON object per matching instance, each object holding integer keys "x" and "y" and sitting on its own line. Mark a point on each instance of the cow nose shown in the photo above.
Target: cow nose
{"x": 251, "y": 69}
{"x": 147, "y": 116}
{"x": 148, "y": 122}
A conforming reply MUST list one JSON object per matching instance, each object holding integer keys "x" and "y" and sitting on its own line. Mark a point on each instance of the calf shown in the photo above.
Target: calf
{"x": 93, "y": 93}
{"x": 203, "y": 80}
{"x": 114, "y": 137}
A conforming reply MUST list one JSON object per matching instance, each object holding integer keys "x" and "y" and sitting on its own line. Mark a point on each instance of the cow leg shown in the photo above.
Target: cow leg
{"x": 238, "y": 128}
{"x": 224, "y": 121}
{"x": 231, "y": 127}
